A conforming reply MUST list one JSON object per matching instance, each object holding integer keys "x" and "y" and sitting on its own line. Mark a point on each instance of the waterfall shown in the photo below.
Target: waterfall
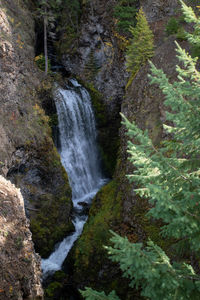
{"x": 79, "y": 156}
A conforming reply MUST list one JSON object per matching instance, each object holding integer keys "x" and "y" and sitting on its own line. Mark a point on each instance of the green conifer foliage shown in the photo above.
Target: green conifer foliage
{"x": 170, "y": 178}
{"x": 141, "y": 47}
{"x": 73, "y": 10}
{"x": 125, "y": 12}
{"x": 47, "y": 10}
{"x": 90, "y": 294}
{"x": 194, "y": 38}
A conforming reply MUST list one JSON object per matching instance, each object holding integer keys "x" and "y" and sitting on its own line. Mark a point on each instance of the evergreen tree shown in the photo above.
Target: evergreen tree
{"x": 125, "y": 12}
{"x": 68, "y": 22}
{"x": 170, "y": 178}
{"x": 141, "y": 47}
{"x": 47, "y": 10}
{"x": 194, "y": 38}
{"x": 72, "y": 9}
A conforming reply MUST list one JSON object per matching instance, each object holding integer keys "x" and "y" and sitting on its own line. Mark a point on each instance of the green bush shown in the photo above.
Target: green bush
{"x": 40, "y": 62}
{"x": 172, "y": 26}
{"x": 52, "y": 289}
{"x": 181, "y": 34}
{"x": 175, "y": 26}
{"x": 195, "y": 51}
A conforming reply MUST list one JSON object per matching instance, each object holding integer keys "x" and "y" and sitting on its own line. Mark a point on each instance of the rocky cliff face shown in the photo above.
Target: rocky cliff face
{"x": 117, "y": 206}
{"x": 20, "y": 271}
{"x": 97, "y": 57}
{"x": 97, "y": 60}
{"x": 156, "y": 10}
{"x": 143, "y": 104}
{"x": 27, "y": 152}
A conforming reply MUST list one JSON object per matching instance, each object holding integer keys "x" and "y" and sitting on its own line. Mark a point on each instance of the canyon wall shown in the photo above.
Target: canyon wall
{"x": 27, "y": 152}
{"x": 117, "y": 206}
{"x": 20, "y": 273}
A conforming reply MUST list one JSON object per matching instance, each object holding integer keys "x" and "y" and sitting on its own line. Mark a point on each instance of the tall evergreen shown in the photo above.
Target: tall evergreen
{"x": 47, "y": 11}
{"x": 72, "y": 10}
{"x": 170, "y": 178}
{"x": 141, "y": 47}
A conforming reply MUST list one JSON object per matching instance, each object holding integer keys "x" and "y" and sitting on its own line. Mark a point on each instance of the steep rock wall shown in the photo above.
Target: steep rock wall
{"x": 20, "y": 271}
{"x": 27, "y": 152}
{"x": 156, "y": 10}
{"x": 143, "y": 104}
{"x": 97, "y": 59}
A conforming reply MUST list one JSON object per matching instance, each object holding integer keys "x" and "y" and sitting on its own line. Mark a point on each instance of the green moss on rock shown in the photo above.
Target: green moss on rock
{"x": 92, "y": 266}
{"x": 53, "y": 222}
{"x": 59, "y": 287}
{"x": 53, "y": 120}
{"x": 97, "y": 103}
{"x": 105, "y": 214}
{"x": 47, "y": 229}
{"x": 50, "y": 195}
{"x": 108, "y": 138}
{"x": 52, "y": 289}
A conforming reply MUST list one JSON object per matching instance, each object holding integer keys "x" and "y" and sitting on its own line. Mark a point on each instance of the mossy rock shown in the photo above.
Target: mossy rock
{"x": 52, "y": 290}
{"x": 108, "y": 138}
{"x": 48, "y": 230}
{"x": 53, "y": 221}
{"x": 92, "y": 266}
{"x": 97, "y": 103}
{"x": 105, "y": 214}
{"x": 60, "y": 287}
{"x": 51, "y": 198}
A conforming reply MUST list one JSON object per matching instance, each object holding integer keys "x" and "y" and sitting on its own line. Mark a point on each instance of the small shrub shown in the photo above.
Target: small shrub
{"x": 53, "y": 120}
{"x": 195, "y": 51}
{"x": 172, "y": 26}
{"x": 19, "y": 242}
{"x": 52, "y": 289}
{"x": 181, "y": 34}
{"x": 40, "y": 62}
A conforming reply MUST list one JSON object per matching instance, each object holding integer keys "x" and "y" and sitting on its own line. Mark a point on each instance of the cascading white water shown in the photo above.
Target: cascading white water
{"x": 80, "y": 158}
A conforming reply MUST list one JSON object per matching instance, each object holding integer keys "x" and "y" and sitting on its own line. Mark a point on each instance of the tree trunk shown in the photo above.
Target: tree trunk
{"x": 45, "y": 42}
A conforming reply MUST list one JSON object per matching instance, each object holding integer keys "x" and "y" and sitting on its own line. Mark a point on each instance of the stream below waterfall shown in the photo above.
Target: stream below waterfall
{"x": 80, "y": 158}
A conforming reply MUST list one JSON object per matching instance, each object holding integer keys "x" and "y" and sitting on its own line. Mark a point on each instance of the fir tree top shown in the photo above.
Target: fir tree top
{"x": 141, "y": 47}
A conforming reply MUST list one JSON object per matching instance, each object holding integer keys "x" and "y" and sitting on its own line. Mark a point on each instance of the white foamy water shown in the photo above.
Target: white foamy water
{"x": 79, "y": 156}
